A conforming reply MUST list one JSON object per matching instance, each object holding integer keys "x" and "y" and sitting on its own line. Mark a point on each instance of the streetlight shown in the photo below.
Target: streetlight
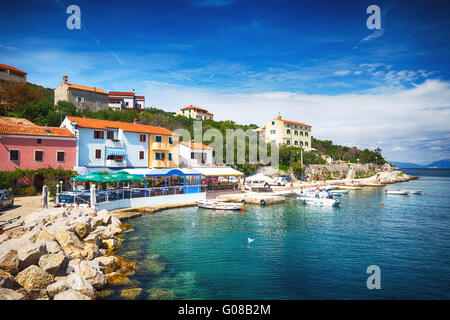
{"x": 376, "y": 161}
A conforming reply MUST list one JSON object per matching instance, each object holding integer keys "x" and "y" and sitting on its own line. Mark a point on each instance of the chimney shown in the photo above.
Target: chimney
{"x": 94, "y": 88}
{"x": 135, "y": 120}
{"x": 65, "y": 78}
{"x": 279, "y": 116}
{"x": 133, "y": 92}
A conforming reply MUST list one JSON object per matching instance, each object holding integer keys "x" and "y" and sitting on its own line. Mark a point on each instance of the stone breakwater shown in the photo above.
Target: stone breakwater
{"x": 62, "y": 254}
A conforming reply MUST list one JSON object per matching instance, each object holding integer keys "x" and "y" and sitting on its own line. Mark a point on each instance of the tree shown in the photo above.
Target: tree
{"x": 19, "y": 93}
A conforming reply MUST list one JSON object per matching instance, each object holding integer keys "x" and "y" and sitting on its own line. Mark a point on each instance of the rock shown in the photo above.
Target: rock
{"x": 90, "y": 251}
{"x": 115, "y": 278}
{"x": 9, "y": 261}
{"x": 34, "y": 277}
{"x": 35, "y": 294}
{"x": 4, "y": 237}
{"x": 52, "y": 246}
{"x": 57, "y": 287}
{"x": 70, "y": 243}
{"x": 126, "y": 267}
{"x": 116, "y": 222}
{"x": 111, "y": 244}
{"x": 106, "y": 217}
{"x": 92, "y": 275}
{"x": 30, "y": 254}
{"x": 114, "y": 229}
{"x": 153, "y": 268}
{"x": 104, "y": 293}
{"x": 6, "y": 280}
{"x": 53, "y": 263}
{"x": 96, "y": 222}
{"x": 103, "y": 233}
{"x": 82, "y": 227}
{"x": 73, "y": 266}
{"x": 76, "y": 282}
{"x": 71, "y": 295}
{"x": 45, "y": 235}
{"x": 107, "y": 263}
{"x": 130, "y": 294}
{"x": 94, "y": 239}
{"x": 160, "y": 294}
{"x": 8, "y": 294}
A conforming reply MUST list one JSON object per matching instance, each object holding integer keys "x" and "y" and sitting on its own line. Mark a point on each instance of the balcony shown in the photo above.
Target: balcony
{"x": 116, "y": 164}
{"x": 163, "y": 164}
{"x": 114, "y": 144}
{"x": 160, "y": 146}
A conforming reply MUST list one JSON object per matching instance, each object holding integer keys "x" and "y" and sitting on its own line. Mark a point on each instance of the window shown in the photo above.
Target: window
{"x": 158, "y": 138}
{"x": 306, "y": 144}
{"x": 273, "y": 131}
{"x": 142, "y": 138}
{"x": 60, "y": 156}
{"x": 170, "y": 156}
{"x": 38, "y": 155}
{"x": 192, "y": 155}
{"x": 99, "y": 104}
{"x": 80, "y": 100}
{"x": 98, "y": 134}
{"x": 296, "y": 132}
{"x": 273, "y": 123}
{"x": 126, "y": 103}
{"x": 288, "y": 131}
{"x": 110, "y": 135}
{"x": 141, "y": 155}
{"x": 14, "y": 155}
{"x": 296, "y": 142}
{"x": 306, "y": 134}
{"x": 288, "y": 142}
{"x": 98, "y": 154}
{"x": 39, "y": 141}
{"x": 170, "y": 140}
{"x": 301, "y": 143}
{"x": 301, "y": 133}
{"x": 159, "y": 155}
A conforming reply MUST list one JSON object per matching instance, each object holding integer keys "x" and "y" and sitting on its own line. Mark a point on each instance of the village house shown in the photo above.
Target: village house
{"x": 195, "y": 113}
{"x": 103, "y": 144}
{"x": 8, "y": 73}
{"x": 82, "y": 97}
{"x": 195, "y": 154}
{"x": 126, "y": 101}
{"x": 25, "y": 145}
{"x": 286, "y": 132}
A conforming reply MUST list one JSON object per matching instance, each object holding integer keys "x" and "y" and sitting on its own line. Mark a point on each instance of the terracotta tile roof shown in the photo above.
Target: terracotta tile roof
{"x": 140, "y": 97}
{"x": 118, "y": 93}
{"x": 23, "y": 127}
{"x": 11, "y": 68}
{"x": 92, "y": 89}
{"x": 197, "y": 145}
{"x": 293, "y": 122}
{"x": 195, "y": 108}
{"x": 125, "y": 126}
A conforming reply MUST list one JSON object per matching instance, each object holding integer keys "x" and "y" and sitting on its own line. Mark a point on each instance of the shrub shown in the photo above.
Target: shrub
{"x": 24, "y": 190}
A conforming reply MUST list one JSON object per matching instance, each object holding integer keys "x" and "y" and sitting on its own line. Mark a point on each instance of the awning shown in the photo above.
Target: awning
{"x": 151, "y": 172}
{"x": 218, "y": 171}
{"x": 115, "y": 152}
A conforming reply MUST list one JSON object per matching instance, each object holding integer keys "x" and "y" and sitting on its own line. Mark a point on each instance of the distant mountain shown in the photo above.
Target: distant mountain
{"x": 407, "y": 165}
{"x": 440, "y": 164}
{"x": 436, "y": 164}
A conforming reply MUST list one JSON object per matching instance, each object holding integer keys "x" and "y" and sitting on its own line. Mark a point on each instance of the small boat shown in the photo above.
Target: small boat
{"x": 339, "y": 192}
{"x": 398, "y": 192}
{"x": 414, "y": 191}
{"x": 319, "y": 199}
{"x": 217, "y": 205}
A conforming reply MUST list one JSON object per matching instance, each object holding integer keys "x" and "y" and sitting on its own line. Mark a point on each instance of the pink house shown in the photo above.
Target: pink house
{"x": 25, "y": 145}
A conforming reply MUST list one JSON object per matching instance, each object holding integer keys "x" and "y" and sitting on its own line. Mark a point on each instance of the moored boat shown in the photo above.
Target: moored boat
{"x": 217, "y": 205}
{"x": 339, "y": 192}
{"x": 398, "y": 192}
{"x": 318, "y": 199}
{"x": 414, "y": 191}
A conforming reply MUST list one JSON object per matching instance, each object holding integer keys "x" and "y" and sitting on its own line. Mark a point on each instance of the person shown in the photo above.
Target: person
{"x": 292, "y": 186}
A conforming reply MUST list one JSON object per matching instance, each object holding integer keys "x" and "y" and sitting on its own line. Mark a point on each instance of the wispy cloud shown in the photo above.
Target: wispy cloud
{"x": 342, "y": 72}
{"x": 8, "y": 47}
{"x": 374, "y": 35}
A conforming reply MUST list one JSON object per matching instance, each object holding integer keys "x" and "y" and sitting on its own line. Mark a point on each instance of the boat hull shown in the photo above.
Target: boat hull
{"x": 320, "y": 202}
{"x": 216, "y": 205}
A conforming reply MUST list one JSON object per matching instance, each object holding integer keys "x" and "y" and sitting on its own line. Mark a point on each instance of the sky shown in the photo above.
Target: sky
{"x": 248, "y": 60}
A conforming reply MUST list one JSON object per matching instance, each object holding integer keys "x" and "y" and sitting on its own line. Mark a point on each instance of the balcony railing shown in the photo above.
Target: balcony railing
{"x": 116, "y": 164}
{"x": 160, "y": 146}
{"x": 114, "y": 144}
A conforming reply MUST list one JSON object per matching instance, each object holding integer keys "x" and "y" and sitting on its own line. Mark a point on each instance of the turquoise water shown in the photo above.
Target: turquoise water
{"x": 300, "y": 252}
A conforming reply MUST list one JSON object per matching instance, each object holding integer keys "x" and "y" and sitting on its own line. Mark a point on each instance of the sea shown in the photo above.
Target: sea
{"x": 375, "y": 246}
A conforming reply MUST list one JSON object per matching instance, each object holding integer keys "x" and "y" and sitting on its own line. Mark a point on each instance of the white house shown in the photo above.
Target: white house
{"x": 195, "y": 154}
{"x": 125, "y": 101}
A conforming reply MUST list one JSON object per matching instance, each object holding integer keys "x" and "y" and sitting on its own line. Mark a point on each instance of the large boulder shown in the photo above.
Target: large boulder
{"x": 34, "y": 277}
{"x": 53, "y": 263}
{"x": 103, "y": 233}
{"x": 52, "y": 246}
{"x": 70, "y": 243}
{"x": 56, "y": 287}
{"x": 9, "y": 260}
{"x": 77, "y": 282}
{"x": 8, "y": 294}
{"x": 90, "y": 251}
{"x": 107, "y": 263}
{"x": 30, "y": 254}
{"x": 114, "y": 229}
{"x": 115, "y": 278}
{"x": 82, "y": 227}
{"x": 6, "y": 280}
{"x": 71, "y": 295}
{"x": 94, "y": 239}
{"x": 130, "y": 294}
{"x": 92, "y": 274}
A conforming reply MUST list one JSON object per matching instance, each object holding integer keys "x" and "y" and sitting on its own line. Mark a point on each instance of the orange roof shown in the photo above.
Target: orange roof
{"x": 293, "y": 122}
{"x": 11, "y": 68}
{"x": 76, "y": 86}
{"x": 23, "y": 127}
{"x": 197, "y": 145}
{"x": 118, "y": 93}
{"x": 194, "y": 107}
{"x": 140, "y": 97}
{"x": 125, "y": 126}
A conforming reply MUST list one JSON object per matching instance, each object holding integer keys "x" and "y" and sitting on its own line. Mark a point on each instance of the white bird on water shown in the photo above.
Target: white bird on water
{"x": 193, "y": 224}
{"x": 250, "y": 240}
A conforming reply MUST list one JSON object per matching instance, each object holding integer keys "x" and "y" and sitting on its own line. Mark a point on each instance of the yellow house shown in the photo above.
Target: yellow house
{"x": 195, "y": 113}
{"x": 163, "y": 149}
{"x": 291, "y": 133}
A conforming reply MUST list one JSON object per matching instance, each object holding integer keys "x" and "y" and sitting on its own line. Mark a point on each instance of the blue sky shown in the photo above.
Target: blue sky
{"x": 313, "y": 61}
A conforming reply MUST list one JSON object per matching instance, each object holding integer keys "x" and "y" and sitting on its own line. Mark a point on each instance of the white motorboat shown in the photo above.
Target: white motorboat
{"x": 339, "y": 192}
{"x": 217, "y": 205}
{"x": 414, "y": 191}
{"x": 398, "y": 192}
{"x": 322, "y": 198}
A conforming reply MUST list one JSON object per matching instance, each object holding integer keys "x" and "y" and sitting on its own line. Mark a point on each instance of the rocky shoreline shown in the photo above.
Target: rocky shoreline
{"x": 63, "y": 254}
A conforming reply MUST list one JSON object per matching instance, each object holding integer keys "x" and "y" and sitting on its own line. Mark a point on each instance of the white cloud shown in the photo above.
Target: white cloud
{"x": 398, "y": 148}
{"x": 342, "y": 72}
{"x": 376, "y": 34}
{"x": 436, "y": 148}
